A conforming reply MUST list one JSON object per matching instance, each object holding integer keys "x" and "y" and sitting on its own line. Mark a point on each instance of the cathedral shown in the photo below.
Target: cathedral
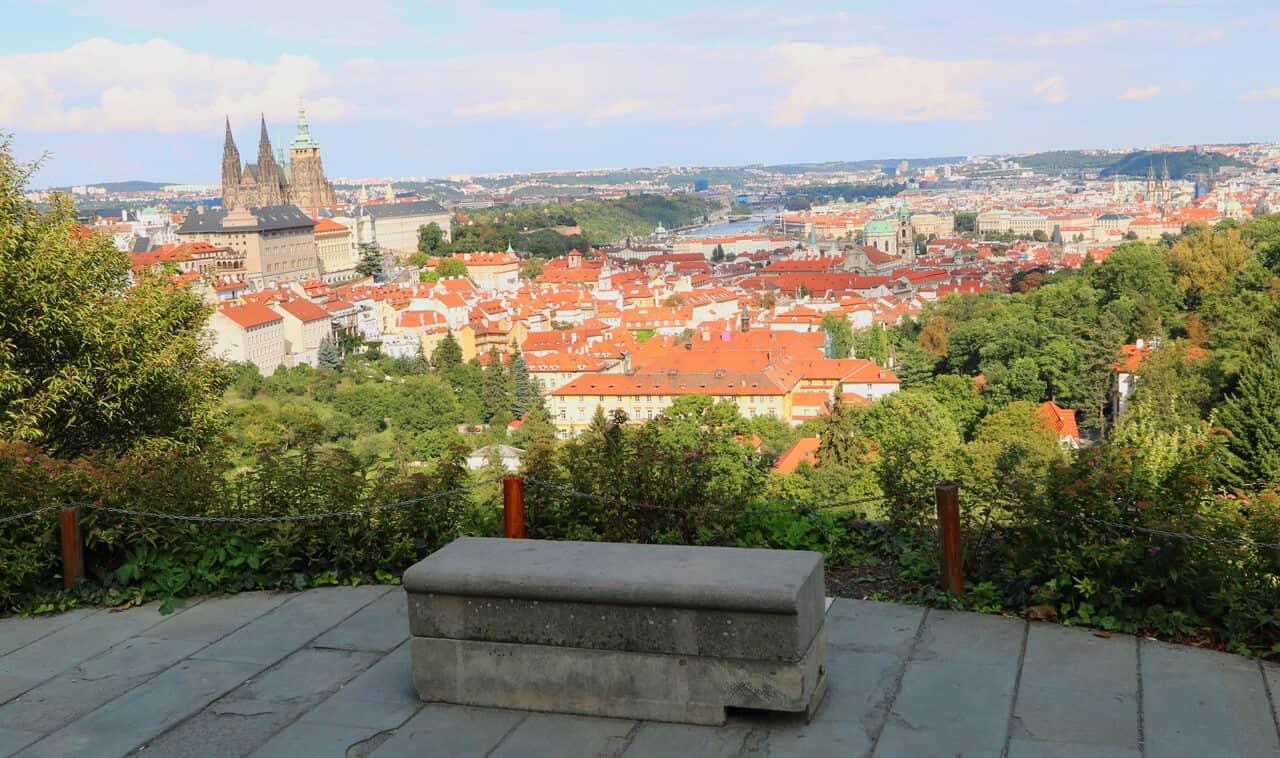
{"x": 1159, "y": 193}
{"x": 274, "y": 180}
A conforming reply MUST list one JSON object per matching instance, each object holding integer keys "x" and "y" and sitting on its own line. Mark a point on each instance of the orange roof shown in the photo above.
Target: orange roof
{"x": 251, "y": 315}
{"x": 304, "y": 310}
{"x": 328, "y": 225}
{"x": 805, "y": 449}
{"x": 1063, "y": 420}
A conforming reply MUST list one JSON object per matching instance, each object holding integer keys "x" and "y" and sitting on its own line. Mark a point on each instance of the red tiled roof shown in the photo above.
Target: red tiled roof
{"x": 251, "y": 315}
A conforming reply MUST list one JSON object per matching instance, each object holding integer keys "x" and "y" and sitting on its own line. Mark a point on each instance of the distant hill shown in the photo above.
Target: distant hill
{"x": 1137, "y": 163}
{"x": 133, "y": 185}
{"x": 1180, "y": 163}
{"x": 838, "y": 166}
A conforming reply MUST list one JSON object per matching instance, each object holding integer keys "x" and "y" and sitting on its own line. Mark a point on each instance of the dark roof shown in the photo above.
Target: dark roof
{"x": 393, "y": 210}
{"x": 270, "y": 218}
{"x": 140, "y": 245}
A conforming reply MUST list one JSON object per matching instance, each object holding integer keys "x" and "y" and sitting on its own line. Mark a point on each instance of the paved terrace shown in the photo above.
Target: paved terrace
{"x": 326, "y": 673}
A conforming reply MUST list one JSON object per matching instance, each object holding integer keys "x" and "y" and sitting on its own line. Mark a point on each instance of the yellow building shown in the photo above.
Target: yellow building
{"x": 277, "y": 241}
{"x": 645, "y": 395}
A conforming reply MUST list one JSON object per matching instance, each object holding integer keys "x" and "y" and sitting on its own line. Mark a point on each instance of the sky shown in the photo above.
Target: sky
{"x": 139, "y": 89}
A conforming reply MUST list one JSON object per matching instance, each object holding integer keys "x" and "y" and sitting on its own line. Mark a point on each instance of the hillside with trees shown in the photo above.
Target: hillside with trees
{"x": 1136, "y": 163}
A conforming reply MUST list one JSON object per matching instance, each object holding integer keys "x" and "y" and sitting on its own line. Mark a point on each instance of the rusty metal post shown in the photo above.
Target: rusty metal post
{"x": 513, "y": 507}
{"x": 72, "y": 545}
{"x": 947, "y": 495}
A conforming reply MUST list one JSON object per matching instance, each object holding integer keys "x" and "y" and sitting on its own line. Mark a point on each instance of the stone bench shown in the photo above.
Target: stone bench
{"x": 656, "y": 632}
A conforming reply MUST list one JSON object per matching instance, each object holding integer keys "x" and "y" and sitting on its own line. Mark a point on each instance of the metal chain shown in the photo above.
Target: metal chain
{"x": 279, "y": 519}
{"x": 29, "y": 514}
{"x": 1229, "y": 541}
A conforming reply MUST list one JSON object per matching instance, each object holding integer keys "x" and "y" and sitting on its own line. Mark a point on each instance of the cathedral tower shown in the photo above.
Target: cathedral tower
{"x": 230, "y": 171}
{"x": 307, "y": 186}
{"x": 270, "y": 181}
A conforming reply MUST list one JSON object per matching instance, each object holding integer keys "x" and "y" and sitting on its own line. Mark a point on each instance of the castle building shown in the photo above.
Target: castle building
{"x": 272, "y": 181}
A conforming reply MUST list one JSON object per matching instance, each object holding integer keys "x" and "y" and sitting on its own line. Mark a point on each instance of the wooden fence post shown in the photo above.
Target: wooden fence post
{"x": 947, "y": 495}
{"x": 72, "y": 545}
{"x": 513, "y": 507}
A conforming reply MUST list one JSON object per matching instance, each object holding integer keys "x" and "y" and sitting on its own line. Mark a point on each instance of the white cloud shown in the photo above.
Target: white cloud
{"x": 863, "y": 82}
{"x": 1140, "y": 93}
{"x": 1052, "y": 90}
{"x": 1130, "y": 30}
{"x": 158, "y": 86}
{"x": 1257, "y": 95}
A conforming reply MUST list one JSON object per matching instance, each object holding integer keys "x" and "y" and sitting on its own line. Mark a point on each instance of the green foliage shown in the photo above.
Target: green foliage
{"x": 87, "y": 361}
{"x": 327, "y": 356}
{"x": 430, "y": 239}
{"x": 916, "y": 443}
{"x": 1252, "y": 415}
{"x": 839, "y": 335}
{"x": 370, "y": 263}
{"x": 451, "y": 267}
{"x": 447, "y": 354}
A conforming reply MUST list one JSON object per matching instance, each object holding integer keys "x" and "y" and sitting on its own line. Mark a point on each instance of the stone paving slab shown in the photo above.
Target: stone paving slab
{"x": 249, "y": 715}
{"x": 70, "y": 695}
{"x": 548, "y": 734}
{"x": 1078, "y": 688}
{"x": 451, "y": 730}
{"x": 18, "y": 632}
{"x": 13, "y": 740}
{"x": 145, "y": 712}
{"x": 1200, "y": 702}
{"x": 216, "y": 617}
{"x": 379, "y": 627}
{"x": 327, "y": 673}
{"x": 381, "y": 698}
{"x": 291, "y": 625}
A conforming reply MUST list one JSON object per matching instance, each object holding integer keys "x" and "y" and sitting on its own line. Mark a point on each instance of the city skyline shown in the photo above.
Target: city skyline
{"x": 138, "y": 91}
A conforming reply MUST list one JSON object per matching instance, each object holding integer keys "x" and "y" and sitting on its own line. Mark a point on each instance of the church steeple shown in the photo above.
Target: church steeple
{"x": 270, "y": 190}
{"x": 231, "y": 173}
{"x": 304, "y": 140}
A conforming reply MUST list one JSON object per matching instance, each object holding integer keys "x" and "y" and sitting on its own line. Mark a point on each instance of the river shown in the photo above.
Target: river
{"x": 731, "y": 228}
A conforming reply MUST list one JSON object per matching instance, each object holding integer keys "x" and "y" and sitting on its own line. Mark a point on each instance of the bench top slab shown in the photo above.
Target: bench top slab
{"x": 723, "y": 578}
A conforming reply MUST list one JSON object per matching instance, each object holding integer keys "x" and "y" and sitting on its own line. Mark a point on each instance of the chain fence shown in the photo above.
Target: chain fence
{"x": 991, "y": 499}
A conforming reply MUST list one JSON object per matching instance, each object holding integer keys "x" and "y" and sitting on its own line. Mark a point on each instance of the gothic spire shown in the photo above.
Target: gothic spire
{"x": 264, "y": 141}
{"x": 304, "y": 140}
{"x": 230, "y": 142}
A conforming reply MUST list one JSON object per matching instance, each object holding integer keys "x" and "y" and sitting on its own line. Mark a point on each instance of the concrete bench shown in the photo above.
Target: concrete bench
{"x": 658, "y": 632}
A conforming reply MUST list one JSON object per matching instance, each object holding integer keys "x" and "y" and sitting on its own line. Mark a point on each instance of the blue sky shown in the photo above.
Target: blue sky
{"x": 138, "y": 88}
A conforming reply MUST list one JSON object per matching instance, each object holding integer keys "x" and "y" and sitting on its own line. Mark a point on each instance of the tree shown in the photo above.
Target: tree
{"x": 839, "y": 335}
{"x": 717, "y": 254}
{"x": 526, "y": 394}
{"x": 87, "y": 362}
{"x": 532, "y": 269}
{"x": 497, "y": 391}
{"x": 839, "y": 439}
{"x": 933, "y": 337}
{"x": 1204, "y": 259}
{"x": 1252, "y": 414}
{"x": 1139, "y": 273}
{"x": 447, "y": 354}
{"x": 1039, "y": 235}
{"x": 966, "y": 222}
{"x": 430, "y": 239}
{"x": 917, "y": 442}
{"x": 327, "y": 356}
{"x": 370, "y": 263}
{"x": 451, "y": 267}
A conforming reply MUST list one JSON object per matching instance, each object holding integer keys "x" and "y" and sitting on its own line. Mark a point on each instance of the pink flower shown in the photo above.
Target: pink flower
{"x": 1231, "y": 496}
{"x": 26, "y": 459}
{"x": 1197, "y": 517}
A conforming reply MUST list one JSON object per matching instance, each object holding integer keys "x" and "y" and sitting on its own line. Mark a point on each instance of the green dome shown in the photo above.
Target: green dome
{"x": 879, "y": 226}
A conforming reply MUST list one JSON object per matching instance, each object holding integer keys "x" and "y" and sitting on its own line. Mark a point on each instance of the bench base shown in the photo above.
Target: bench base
{"x": 644, "y": 686}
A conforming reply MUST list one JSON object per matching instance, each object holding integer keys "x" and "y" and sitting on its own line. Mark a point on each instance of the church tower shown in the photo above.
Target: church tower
{"x": 270, "y": 189}
{"x": 308, "y": 187}
{"x": 906, "y": 234}
{"x": 230, "y": 171}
